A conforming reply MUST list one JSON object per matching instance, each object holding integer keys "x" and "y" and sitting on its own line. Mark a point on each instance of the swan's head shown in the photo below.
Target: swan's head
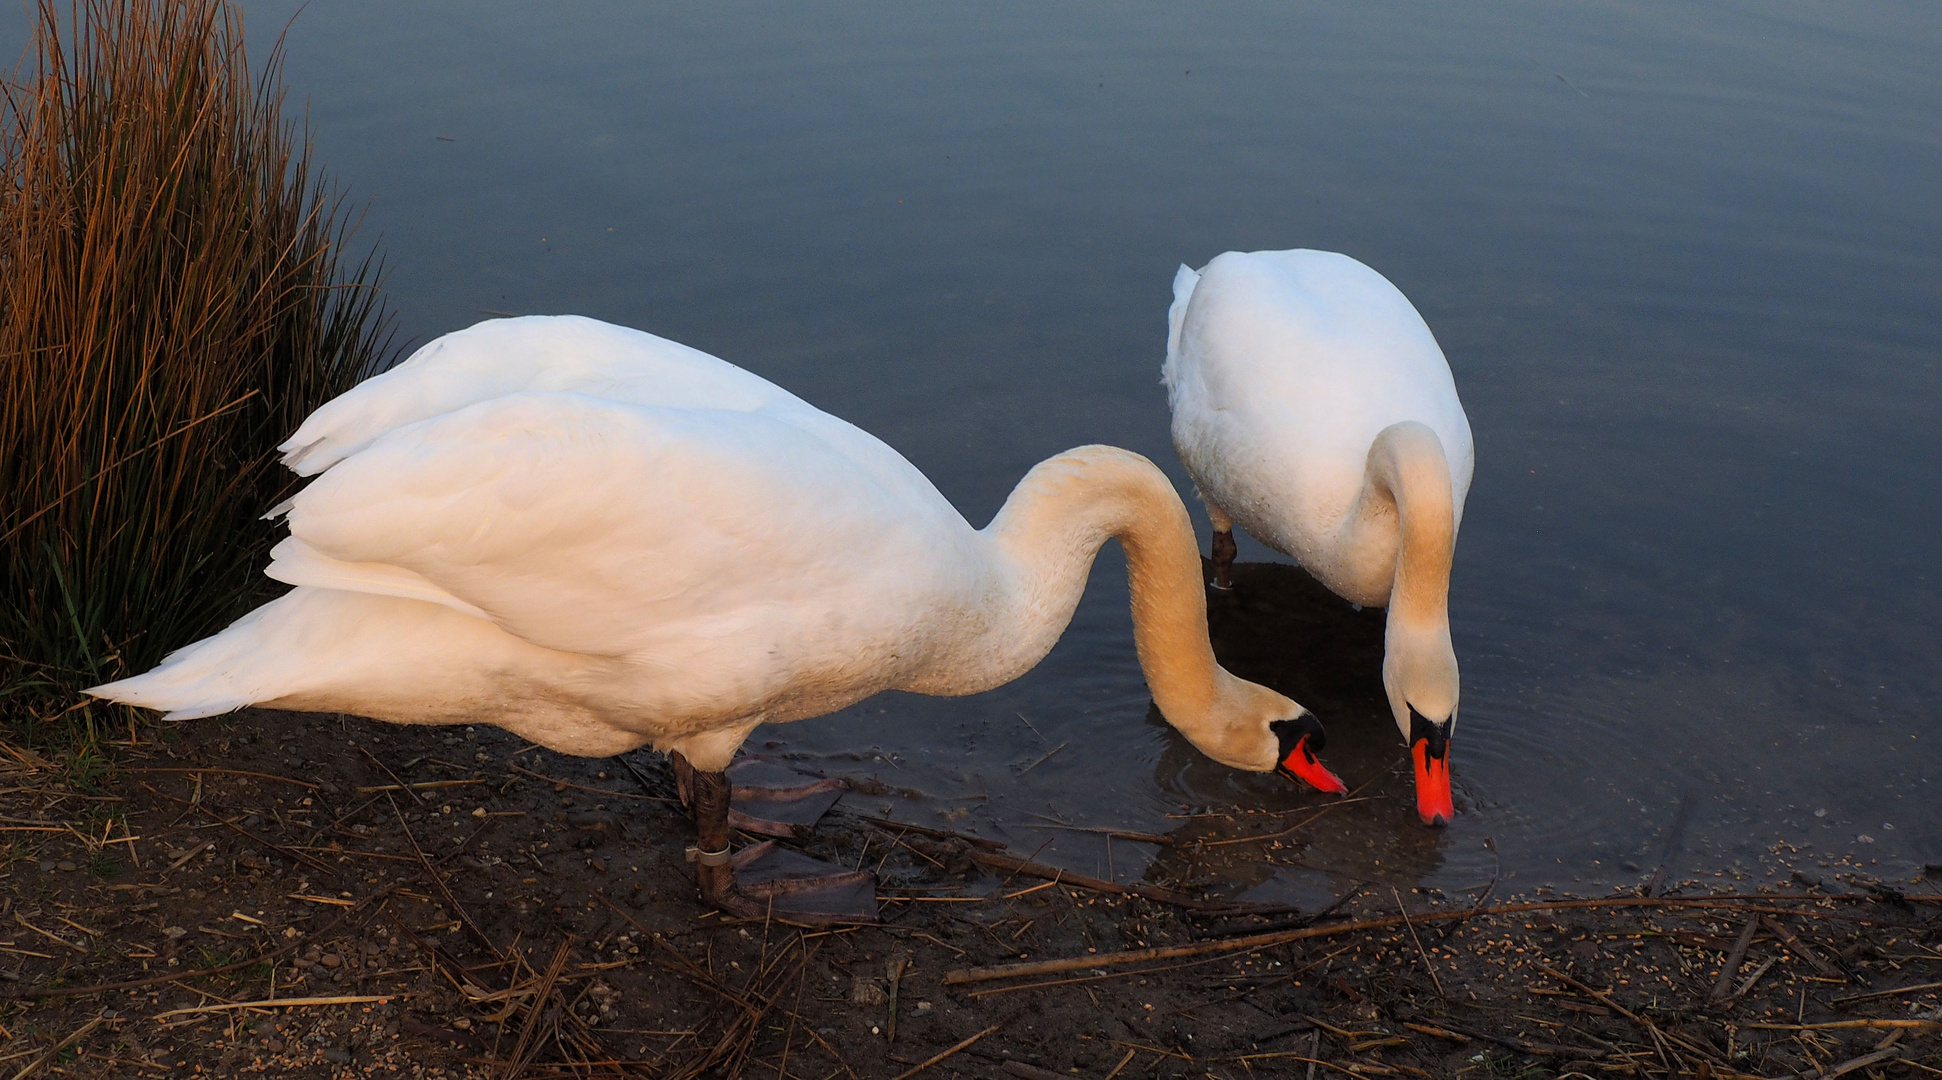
{"x": 1296, "y": 743}
{"x": 1419, "y": 671}
{"x": 1248, "y": 726}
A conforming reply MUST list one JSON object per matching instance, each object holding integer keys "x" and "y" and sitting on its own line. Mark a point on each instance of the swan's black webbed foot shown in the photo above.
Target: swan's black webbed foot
{"x": 767, "y": 880}
{"x": 766, "y": 797}
{"x": 772, "y": 799}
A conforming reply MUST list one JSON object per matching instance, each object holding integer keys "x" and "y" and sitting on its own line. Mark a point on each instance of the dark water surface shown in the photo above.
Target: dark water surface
{"x": 1684, "y": 263}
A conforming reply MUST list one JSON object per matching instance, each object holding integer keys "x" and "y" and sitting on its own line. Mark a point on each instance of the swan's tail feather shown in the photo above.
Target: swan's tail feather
{"x": 328, "y": 650}
{"x": 304, "y": 640}
{"x": 207, "y": 678}
{"x": 1184, "y": 281}
{"x": 294, "y": 453}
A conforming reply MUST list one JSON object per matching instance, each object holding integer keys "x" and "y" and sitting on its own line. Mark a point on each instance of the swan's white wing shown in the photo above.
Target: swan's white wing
{"x": 1184, "y": 280}
{"x": 1302, "y": 357}
{"x": 566, "y": 353}
{"x": 664, "y": 535}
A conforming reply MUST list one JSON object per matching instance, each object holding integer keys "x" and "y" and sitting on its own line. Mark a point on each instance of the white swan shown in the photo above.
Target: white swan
{"x": 599, "y": 539}
{"x": 1312, "y": 407}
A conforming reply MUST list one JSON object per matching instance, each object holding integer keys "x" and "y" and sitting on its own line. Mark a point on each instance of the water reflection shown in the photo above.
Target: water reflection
{"x": 1279, "y": 627}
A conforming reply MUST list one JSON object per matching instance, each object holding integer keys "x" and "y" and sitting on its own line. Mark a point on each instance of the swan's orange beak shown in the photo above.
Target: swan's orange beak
{"x": 1299, "y": 739}
{"x": 1430, "y": 746}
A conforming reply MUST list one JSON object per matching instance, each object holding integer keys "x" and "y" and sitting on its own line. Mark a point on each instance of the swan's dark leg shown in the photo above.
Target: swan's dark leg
{"x": 708, "y": 796}
{"x": 764, "y": 880}
{"x": 1224, "y": 551}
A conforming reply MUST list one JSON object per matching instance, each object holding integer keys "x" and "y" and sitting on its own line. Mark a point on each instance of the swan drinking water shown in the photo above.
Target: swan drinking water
{"x": 1313, "y": 407}
{"x": 599, "y": 539}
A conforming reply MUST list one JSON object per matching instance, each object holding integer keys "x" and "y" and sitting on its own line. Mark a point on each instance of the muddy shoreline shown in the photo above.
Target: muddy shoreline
{"x": 519, "y": 913}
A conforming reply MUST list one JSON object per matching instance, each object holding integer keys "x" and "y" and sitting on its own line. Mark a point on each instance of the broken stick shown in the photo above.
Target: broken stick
{"x": 962, "y": 1043}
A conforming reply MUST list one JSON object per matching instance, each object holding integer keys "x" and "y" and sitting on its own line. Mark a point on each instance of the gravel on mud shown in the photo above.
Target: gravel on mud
{"x": 318, "y": 896}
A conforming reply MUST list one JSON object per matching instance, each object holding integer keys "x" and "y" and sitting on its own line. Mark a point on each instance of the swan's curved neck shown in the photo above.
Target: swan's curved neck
{"x": 1408, "y": 471}
{"x": 1045, "y": 540}
{"x": 1405, "y": 522}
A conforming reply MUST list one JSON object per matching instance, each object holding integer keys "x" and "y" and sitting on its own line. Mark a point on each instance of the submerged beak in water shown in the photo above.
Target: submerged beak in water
{"x": 1429, "y": 744}
{"x": 1299, "y": 739}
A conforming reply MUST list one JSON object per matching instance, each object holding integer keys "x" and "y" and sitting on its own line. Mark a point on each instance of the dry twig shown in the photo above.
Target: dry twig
{"x": 1724, "y": 986}
{"x": 1280, "y": 937}
{"x": 278, "y": 1003}
{"x": 961, "y": 1044}
{"x": 76, "y": 1037}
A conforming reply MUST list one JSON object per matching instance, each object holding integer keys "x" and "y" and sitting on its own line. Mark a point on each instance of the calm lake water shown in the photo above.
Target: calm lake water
{"x": 1684, "y": 263}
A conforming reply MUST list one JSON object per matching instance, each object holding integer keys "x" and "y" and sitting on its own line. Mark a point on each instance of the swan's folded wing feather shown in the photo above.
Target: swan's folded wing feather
{"x": 1184, "y": 280}
{"x": 296, "y": 563}
{"x": 535, "y": 353}
{"x": 597, "y": 527}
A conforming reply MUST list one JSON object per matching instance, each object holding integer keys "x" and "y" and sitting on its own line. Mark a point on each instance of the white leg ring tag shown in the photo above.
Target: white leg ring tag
{"x": 708, "y": 858}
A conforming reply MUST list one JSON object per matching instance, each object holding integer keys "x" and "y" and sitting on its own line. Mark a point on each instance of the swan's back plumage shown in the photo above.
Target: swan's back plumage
{"x": 534, "y": 353}
{"x": 1282, "y": 367}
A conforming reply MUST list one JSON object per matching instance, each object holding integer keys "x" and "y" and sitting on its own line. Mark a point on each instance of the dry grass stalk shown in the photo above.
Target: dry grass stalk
{"x": 1801, "y": 949}
{"x": 552, "y": 1038}
{"x": 1731, "y": 966}
{"x": 55, "y": 1052}
{"x": 276, "y": 1003}
{"x": 172, "y": 304}
{"x": 961, "y": 1044}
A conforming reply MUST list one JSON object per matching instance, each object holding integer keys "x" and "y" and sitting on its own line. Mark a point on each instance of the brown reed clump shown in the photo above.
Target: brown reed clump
{"x": 172, "y": 304}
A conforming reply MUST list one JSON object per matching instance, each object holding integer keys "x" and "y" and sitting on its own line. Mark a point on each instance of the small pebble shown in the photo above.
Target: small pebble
{"x": 462, "y": 1023}
{"x": 336, "y": 1055}
{"x": 66, "y": 867}
{"x": 330, "y": 960}
{"x": 47, "y": 866}
{"x": 867, "y": 993}
{"x": 173, "y": 932}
